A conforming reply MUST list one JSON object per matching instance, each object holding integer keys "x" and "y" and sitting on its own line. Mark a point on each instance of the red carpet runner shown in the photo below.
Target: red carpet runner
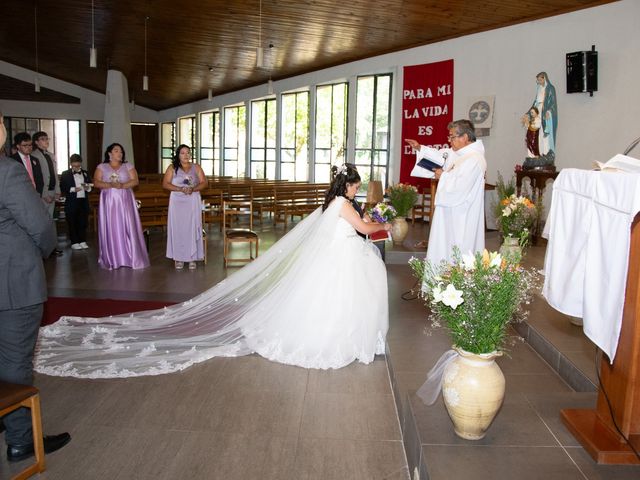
{"x": 57, "y": 307}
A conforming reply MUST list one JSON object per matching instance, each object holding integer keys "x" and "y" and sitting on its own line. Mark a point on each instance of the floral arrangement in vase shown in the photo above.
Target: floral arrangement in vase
{"x": 382, "y": 213}
{"x": 515, "y": 214}
{"x": 476, "y": 297}
{"x": 402, "y": 197}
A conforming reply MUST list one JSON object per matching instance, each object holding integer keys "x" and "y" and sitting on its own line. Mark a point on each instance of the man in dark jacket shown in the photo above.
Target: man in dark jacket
{"x": 27, "y": 235}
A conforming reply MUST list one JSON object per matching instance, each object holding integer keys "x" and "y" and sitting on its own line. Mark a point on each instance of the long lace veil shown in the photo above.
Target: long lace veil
{"x": 209, "y": 325}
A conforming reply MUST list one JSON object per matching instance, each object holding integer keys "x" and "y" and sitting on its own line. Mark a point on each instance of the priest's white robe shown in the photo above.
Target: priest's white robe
{"x": 459, "y": 204}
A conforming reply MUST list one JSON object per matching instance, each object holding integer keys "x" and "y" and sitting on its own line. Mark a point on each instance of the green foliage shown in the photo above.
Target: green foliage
{"x": 475, "y": 297}
{"x": 402, "y": 197}
{"x": 515, "y": 215}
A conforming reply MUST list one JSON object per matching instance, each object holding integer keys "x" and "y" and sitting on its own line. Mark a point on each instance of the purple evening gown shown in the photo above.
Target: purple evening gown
{"x": 184, "y": 225}
{"x": 119, "y": 229}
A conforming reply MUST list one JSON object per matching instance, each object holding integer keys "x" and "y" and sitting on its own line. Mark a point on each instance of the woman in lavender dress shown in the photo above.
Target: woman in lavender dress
{"x": 119, "y": 229}
{"x": 184, "y": 180}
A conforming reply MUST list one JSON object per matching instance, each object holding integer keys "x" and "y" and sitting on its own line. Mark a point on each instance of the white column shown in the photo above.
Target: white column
{"x": 117, "y": 118}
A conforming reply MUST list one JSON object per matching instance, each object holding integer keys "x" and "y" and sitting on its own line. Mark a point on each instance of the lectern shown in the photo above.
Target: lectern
{"x": 595, "y": 429}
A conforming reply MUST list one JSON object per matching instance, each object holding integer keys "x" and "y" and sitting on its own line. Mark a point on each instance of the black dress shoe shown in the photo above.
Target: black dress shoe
{"x": 15, "y": 453}
{"x": 57, "y": 253}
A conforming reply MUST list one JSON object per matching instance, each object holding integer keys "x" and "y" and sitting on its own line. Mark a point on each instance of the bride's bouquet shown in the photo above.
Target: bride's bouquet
{"x": 383, "y": 213}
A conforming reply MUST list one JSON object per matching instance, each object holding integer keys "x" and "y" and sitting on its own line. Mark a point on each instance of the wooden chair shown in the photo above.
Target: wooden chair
{"x": 14, "y": 396}
{"x": 233, "y": 211}
{"x": 423, "y": 209}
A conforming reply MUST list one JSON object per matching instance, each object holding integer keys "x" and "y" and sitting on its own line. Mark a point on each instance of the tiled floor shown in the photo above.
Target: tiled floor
{"x": 246, "y": 418}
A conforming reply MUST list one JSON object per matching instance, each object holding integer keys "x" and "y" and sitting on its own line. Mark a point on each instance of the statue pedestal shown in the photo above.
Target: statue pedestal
{"x": 539, "y": 179}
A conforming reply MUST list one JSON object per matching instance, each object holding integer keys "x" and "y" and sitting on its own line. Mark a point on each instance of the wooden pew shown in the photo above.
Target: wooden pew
{"x": 297, "y": 200}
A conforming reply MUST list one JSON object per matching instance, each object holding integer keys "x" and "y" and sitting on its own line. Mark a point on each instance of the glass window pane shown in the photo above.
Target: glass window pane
{"x": 372, "y": 125}
{"x": 61, "y": 141}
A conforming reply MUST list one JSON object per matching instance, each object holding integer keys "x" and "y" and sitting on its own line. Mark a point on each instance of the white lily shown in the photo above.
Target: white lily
{"x": 506, "y": 212}
{"x": 452, "y": 297}
{"x": 469, "y": 262}
{"x": 495, "y": 259}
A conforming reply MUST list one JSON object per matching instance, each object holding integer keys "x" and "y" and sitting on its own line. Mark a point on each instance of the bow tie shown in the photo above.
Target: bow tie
{"x": 77, "y": 173}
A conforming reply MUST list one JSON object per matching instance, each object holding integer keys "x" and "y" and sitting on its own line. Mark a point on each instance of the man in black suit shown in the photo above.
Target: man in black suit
{"x": 24, "y": 145}
{"x": 27, "y": 235}
{"x": 75, "y": 185}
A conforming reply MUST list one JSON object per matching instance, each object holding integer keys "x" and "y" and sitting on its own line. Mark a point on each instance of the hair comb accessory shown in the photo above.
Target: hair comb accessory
{"x": 342, "y": 170}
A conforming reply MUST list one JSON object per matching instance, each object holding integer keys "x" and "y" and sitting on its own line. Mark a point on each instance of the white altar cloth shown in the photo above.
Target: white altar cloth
{"x": 588, "y": 251}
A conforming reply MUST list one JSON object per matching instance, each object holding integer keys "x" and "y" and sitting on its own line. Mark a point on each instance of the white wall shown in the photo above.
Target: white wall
{"x": 501, "y": 62}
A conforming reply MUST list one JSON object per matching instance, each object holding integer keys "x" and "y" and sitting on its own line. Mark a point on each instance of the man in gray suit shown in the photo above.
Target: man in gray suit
{"x": 49, "y": 167}
{"x": 27, "y": 235}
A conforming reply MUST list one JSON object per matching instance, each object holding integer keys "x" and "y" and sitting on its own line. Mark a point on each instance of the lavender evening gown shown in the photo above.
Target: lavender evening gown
{"x": 119, "y": 229}
{"x": 184, "y": 227}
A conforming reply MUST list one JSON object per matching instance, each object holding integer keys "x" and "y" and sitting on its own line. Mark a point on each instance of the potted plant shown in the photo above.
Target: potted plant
{"x": 515, "y": 217}
{"x": 476, "y": 297}
{"x": 402, "y": 197}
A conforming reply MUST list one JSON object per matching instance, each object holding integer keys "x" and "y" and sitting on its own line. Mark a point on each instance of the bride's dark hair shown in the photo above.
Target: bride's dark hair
{"x": 346, "y": 174}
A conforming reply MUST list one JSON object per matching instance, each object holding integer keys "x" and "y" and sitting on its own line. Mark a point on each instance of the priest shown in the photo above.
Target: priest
{"x": 458, "y": 219}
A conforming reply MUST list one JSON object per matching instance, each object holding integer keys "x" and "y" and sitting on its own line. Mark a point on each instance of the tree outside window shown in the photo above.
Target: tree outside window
{"x": 331, "y": 128}
{"x": 294, "y": 137}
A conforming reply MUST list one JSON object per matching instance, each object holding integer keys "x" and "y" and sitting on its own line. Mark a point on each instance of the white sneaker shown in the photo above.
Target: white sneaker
{"x": 76, "y": 246}
{"x": 84, "y": 245}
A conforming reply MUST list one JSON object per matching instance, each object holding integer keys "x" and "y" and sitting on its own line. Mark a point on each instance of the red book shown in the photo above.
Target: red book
{"x": 380, "y": 236}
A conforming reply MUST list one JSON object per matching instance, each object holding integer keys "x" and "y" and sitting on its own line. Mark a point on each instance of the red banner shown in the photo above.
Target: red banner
{"x": 427, "y": 109}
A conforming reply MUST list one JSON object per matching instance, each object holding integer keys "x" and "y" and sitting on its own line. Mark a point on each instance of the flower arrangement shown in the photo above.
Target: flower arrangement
{"x": 515, "y": 215}
{"x": 383, "y": 213}
{"x": 402, "y": 197}
{"x": 188, "y": 181}
{"x": 475, "y": 296}
{"x": 113, "y": 178}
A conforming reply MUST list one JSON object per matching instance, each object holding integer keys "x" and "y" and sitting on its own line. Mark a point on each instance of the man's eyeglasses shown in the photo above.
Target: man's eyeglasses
{"x": 26, "y": 145}
{"x": 451, "y": 137}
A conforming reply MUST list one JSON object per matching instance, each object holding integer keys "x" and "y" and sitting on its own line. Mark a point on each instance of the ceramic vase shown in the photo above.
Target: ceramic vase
{"x": 399, "y": 230}
{"x": 473, "y": 390}
{"x": 511, "y": 249}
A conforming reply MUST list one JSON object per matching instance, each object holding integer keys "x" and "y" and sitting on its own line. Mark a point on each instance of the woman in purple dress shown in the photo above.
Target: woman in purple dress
{"x": 119, "y": 229}
{"x": 184, "y": 179}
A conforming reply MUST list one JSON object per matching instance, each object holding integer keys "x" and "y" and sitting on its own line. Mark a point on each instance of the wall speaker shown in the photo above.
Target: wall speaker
{"x": 582, "y": 71}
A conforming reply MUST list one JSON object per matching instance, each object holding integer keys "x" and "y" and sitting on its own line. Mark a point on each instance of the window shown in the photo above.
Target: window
{"x": 294, "y": 137}
{"x": 331, "y": 128}
{"x": 167, "y": 143}
{"x": 263, "y": 139}
{"x": 64, "y": 135}
{"x": 373, "y": 114}
{"x": 235, "y": 132}
{"x": 210, "y": 143}
{"x": 187, "y": 133}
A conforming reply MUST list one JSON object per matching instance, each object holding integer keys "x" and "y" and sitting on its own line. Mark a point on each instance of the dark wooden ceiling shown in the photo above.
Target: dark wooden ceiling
{"x": 194, "y": 45}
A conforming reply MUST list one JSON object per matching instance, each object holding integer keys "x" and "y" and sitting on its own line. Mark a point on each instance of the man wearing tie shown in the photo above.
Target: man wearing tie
{"x": 24, "y": 145}
{"x": 48, "y": 165}
{"x": 27, "y": 235}
{"x": 75, "y": 185}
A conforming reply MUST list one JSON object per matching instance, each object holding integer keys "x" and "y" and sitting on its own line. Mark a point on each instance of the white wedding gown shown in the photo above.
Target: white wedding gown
{"x": 317, "y": 299}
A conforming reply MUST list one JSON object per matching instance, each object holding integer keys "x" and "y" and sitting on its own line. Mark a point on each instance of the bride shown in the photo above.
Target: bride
{"x": 317, "y": 299}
